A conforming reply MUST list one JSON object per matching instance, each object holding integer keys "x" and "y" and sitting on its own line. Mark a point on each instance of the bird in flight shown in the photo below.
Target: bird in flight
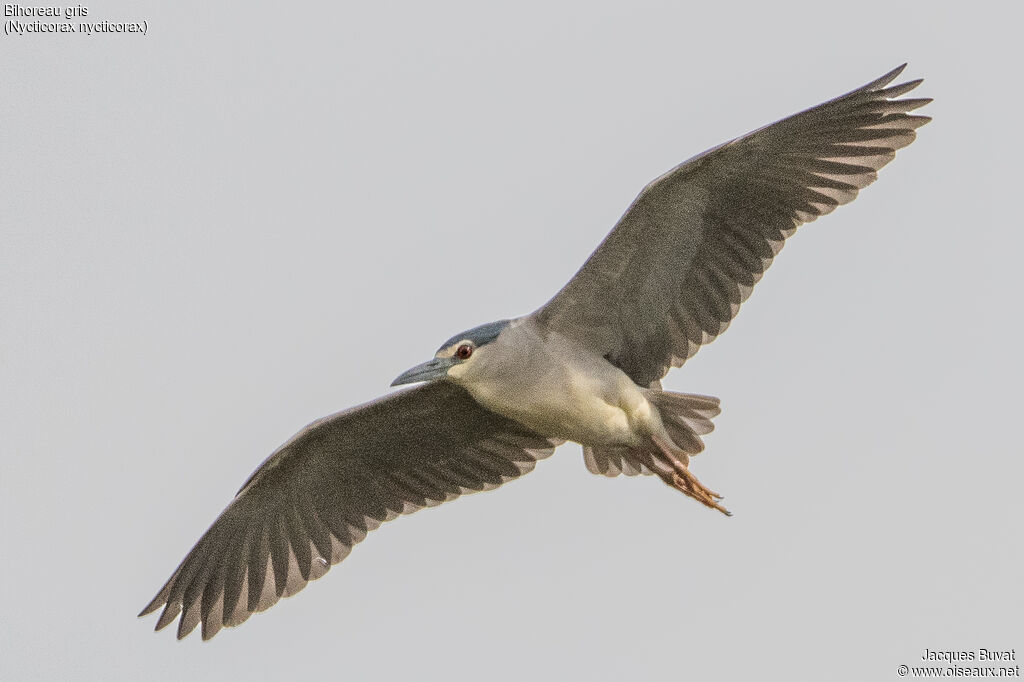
{"x": 586, "y": 366}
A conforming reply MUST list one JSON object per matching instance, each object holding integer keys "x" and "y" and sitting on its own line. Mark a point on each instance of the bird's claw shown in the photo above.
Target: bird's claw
{"x": 684, "y": 481}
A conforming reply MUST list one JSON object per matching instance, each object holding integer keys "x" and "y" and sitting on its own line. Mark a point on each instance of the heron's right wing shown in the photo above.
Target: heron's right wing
{"x": 674, "y": 271}
{"x": 319, "y": 494}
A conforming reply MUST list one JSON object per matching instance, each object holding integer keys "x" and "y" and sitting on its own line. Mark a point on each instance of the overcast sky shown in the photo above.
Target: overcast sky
{"x": 250, "y": 217}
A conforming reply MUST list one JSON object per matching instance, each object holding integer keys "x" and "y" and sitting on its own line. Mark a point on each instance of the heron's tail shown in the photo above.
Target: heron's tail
{"x": 686, "y": 417}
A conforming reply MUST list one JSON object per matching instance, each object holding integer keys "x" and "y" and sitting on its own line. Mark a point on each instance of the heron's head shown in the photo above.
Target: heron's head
{"x": 456, "y": 355}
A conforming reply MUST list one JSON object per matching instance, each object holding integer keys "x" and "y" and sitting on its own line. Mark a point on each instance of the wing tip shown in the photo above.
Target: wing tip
{"x": 159, "y": 600}
{"x": 896, "y": 72}
{"x": 167, "y": 617}
{"x": 885, "y": 79}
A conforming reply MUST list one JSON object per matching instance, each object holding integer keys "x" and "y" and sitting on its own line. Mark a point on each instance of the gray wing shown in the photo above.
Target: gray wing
{"x": 674, "y": 271}
{"x": 318, "y": 495}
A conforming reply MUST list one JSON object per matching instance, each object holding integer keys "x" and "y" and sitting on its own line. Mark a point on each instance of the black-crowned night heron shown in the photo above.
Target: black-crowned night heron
{"x": 585, "y": 367}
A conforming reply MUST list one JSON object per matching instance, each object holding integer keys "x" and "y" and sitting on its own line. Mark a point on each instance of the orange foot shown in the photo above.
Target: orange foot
{"x": 684, "y": 481}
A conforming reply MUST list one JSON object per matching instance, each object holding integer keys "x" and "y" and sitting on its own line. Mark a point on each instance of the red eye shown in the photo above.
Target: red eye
{"x": 464, "y": 351}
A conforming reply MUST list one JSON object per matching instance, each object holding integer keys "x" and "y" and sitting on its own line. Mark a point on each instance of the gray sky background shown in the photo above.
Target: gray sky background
{"x": 255, "y": 216}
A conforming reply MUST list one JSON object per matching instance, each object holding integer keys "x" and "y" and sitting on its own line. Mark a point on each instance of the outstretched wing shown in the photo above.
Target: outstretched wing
{"x": 674, "y": 271}
{"x": 311, "y": 501}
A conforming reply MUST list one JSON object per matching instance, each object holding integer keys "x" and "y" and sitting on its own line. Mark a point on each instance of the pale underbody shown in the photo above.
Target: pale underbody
{"x": 561, "y": 390}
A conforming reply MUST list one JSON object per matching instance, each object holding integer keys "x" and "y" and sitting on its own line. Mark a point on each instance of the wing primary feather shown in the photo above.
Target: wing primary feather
{"x": 259, "y": 557}
{"x": 300, "y": 542}
{"x": 279, "y": 554}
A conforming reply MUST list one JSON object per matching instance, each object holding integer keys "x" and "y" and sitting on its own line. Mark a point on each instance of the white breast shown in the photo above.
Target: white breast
{"x": 559, "y": 389}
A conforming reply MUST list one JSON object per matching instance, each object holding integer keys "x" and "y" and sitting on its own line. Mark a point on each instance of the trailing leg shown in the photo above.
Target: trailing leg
{"x": 682, "y": 479}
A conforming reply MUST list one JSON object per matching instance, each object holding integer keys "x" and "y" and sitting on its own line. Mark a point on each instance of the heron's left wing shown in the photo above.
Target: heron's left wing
{"x": 672, "y": 274}
{"x": 311, "y": 501}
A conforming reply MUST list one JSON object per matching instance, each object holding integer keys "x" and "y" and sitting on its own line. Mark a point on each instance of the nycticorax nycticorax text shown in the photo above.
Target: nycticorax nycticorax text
{"x": 585, "y": 367}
